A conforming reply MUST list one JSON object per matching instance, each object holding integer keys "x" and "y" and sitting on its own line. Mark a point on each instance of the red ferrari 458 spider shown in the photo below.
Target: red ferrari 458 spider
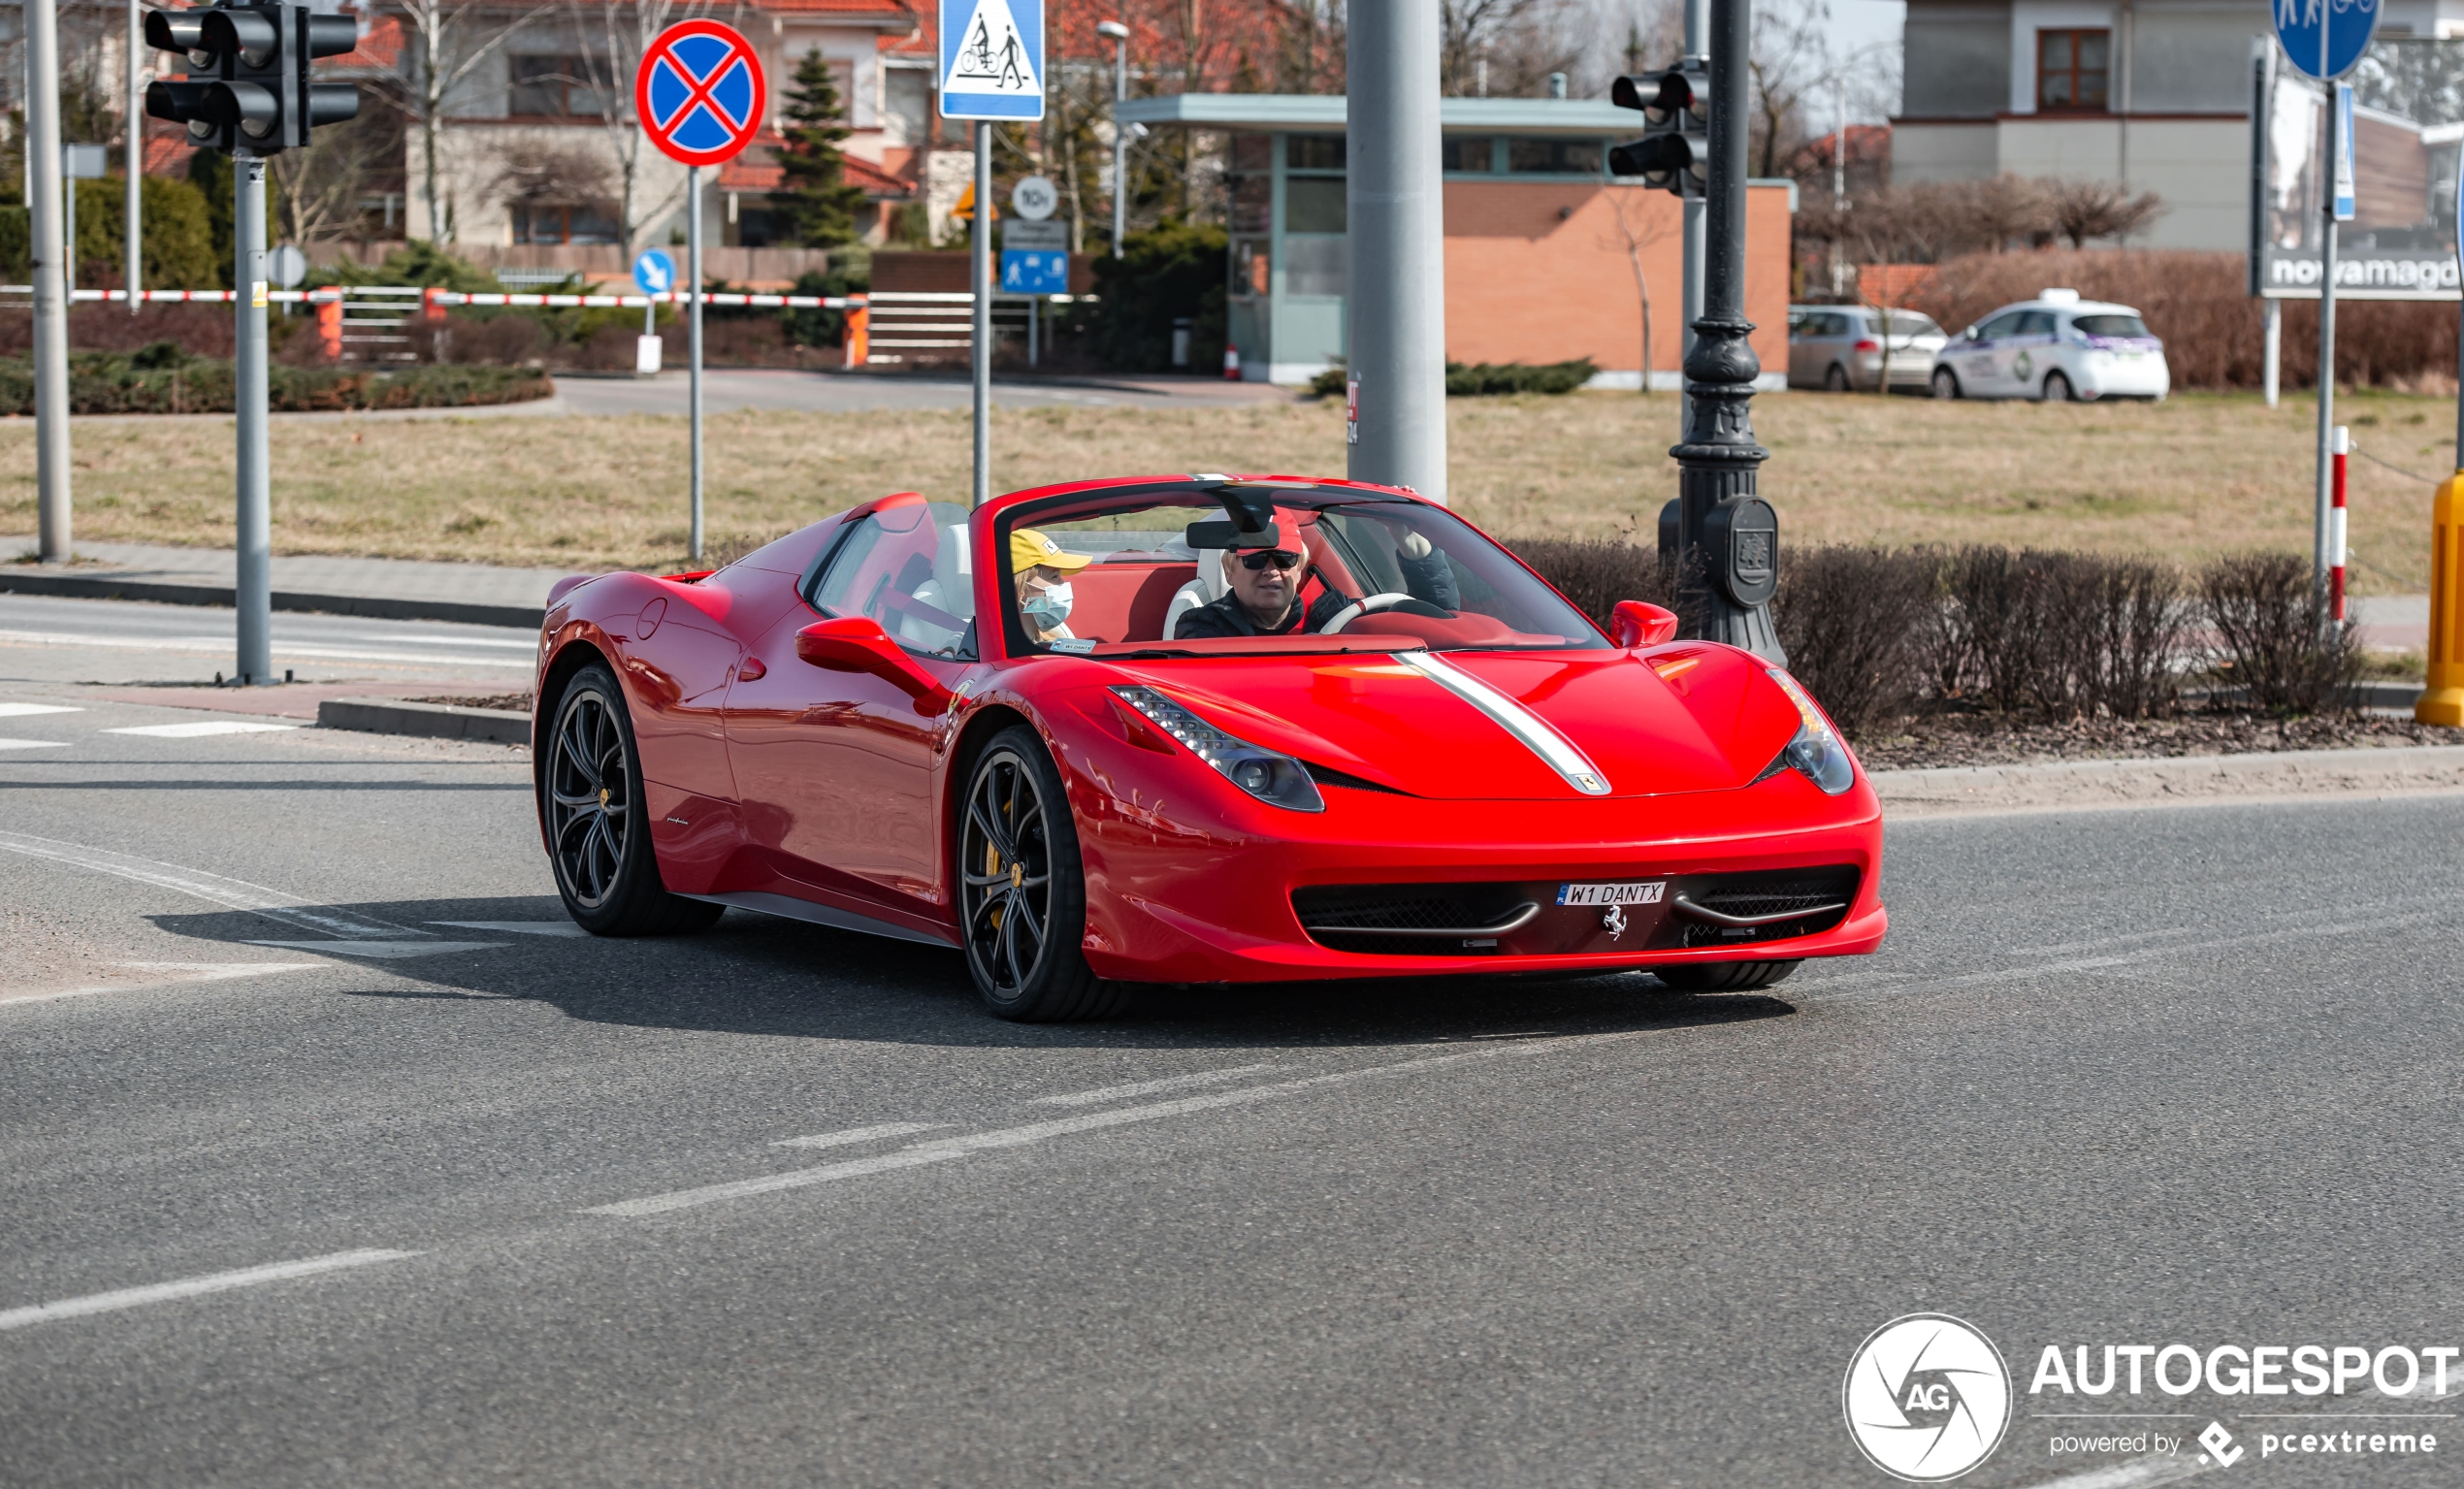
{"x": 1192, "y": 730}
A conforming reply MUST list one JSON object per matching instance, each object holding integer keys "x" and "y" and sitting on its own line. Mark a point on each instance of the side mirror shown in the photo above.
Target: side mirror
{"x": 1969, "y": 334}
{"x": 857, "y": 643}
{"x": 1635, "y": 623}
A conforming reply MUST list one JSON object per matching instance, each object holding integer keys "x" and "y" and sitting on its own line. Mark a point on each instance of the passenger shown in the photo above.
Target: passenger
{"x": 1264, "y": 597}
{"x": 1043, "y": 569}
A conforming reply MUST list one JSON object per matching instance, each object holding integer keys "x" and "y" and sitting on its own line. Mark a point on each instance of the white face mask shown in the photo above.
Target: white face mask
{"x": 1047, "y": 606}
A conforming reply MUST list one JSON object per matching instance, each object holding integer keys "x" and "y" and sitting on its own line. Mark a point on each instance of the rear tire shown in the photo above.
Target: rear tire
{"x": 1836, "y": 379}
{"x": 2057, "y": 389}
{"x": 1022, "y": 889}
{"x": 1724, "y": 976}
{"x": 1946, "y": 384}
{"x": 597, "y": 832}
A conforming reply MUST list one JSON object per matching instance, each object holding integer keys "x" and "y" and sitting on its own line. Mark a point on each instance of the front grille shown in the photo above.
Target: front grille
{"x": 1821, "y": 896}
{"x": 1348, "y": 917}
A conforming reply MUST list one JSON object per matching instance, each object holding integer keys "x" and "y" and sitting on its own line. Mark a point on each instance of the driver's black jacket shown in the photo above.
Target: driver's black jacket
{"x": 1430, "y": 579}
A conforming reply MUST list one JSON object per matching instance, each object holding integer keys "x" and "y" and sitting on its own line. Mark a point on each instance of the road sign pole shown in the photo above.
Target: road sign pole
{"x": 980, "y": 280}
{"x": 43, "y": 166}
{"x": 1397, "y": 306}
{"x": 133, "y": 272}
{"x": 693, "y": 342}
{"x": 2326, "y": 347}
{"x": 254, "y": 592}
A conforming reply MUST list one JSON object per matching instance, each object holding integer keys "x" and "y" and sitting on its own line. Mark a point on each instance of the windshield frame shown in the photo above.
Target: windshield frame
{"x": 1224, "y": 493}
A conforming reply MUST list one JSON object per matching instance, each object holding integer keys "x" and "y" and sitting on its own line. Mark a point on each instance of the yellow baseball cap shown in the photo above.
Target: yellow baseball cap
{"x": 1029, "y": 549}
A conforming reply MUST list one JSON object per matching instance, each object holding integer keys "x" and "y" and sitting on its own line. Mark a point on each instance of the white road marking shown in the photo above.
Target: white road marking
{"x": 230, "y": 894}
{"x": 517, "y": 646}
{"x": 190, "y": 1287}
{"x": 216, "y": 646}
{"x": 2131, "y": 1475}
{"x": 941, "y": 1149}
{"x": 518, "y": 927}
{"x": 855, "y": 1134}
{"x": 198, "y": 972}
{"x": 385, "y": 948}
{"x": 25, "y": 710}
{"x": 203, "y": 727}
{"x": 33, "y": 744}
{"x": 1151, "y": 1087}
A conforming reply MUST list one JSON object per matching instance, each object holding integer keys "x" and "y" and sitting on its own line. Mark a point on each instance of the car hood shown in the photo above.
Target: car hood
{"x": 1689, "y": 717}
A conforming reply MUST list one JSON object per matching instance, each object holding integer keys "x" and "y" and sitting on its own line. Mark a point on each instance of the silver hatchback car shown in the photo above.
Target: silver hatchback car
{"x": 1842, "y": 347}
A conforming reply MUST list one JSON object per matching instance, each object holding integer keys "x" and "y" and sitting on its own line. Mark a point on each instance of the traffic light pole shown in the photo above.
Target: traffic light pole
{"x": 51, "y": 286}
{"x": 253, "y": 593}
{"x": 1727, "y": 538}
{"x": 133, "y": 273}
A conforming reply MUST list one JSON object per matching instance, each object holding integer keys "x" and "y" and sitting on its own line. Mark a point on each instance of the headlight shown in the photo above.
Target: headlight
{"x": 1262, "y": 773}
{"x": 1816, "y": 753}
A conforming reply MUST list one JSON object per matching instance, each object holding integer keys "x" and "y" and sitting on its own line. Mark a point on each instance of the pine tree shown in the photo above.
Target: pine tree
{"x": 813, "y": 194}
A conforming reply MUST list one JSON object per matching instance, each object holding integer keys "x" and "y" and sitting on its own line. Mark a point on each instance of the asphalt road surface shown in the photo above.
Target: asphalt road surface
{"x": 329, "y": 1156}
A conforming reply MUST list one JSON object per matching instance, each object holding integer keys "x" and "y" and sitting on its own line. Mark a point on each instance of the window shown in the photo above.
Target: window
{"x": 2003, "y": 325}
{"x": 1314, "y": 204}
{"x": 1253, "y": 152}
{"x": 1253, "y": 204}
{"x": 552, "y": 87}
{"x": 1314, "y": 152}
{"x": 2034, "y": 323}
{"x": 542, "y": 222}
{"x": 2129, "y": 327}
{"x": 1466, "y": 154}
{"x": 2070, "y": 70}
{"x": 906, "y": 566}
{"x": 1553, "y": 157}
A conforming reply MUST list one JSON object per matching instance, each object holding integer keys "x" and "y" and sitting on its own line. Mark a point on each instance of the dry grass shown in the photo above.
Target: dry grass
{"x": 2198, "y": 476}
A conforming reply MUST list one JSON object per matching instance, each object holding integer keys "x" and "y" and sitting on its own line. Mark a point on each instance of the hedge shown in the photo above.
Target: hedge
{"x": 159, "y": 379}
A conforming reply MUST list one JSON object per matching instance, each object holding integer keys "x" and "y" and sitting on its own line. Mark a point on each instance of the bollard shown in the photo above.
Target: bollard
{"x": 329, "y": 324}
{"x": 860, "y": 327}
{"x": 2336, "y": 525}
{"x": 1231, "y": 363}
{"x": 2443, "y": 700}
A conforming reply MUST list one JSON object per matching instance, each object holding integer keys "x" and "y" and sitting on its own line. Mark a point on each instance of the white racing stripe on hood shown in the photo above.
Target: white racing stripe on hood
{"x": 1537, "y": 734}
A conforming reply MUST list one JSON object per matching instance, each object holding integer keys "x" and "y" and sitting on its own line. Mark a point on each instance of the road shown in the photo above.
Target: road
{"x": 776, "y": 1205}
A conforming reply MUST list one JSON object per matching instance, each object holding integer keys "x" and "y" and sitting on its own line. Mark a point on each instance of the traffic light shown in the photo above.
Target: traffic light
{"x": 248, "y": 87}
{"x": 1674, "y": 152}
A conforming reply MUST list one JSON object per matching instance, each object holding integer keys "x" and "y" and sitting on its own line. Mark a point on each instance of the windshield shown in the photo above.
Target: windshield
{"x": 2123, "y": 325}
{"x": 1255, "y": 566}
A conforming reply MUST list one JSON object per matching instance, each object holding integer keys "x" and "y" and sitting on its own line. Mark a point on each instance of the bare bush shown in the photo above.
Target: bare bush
{"x": 2081, "y": 210}
{"x": 2276, "y": 644}
{"x": 1850, "y": 619}
{"x": 1596, "y": 573}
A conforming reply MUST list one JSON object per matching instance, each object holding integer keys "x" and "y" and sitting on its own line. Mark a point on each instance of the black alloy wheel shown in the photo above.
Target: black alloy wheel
{"x": 1723, "y": 976}
{"x": 1021, "y": 892}
{"x": 1946, "y": 384}
{"x": 589, "y": 800}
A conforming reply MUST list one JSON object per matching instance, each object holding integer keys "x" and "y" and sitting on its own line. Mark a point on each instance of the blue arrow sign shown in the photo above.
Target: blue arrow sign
{"x": 655, "y": 271}
{"x": 2325, "y": 37}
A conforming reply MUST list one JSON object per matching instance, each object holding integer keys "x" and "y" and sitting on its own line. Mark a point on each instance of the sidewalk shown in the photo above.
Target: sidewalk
{"x": 385, "y": 589}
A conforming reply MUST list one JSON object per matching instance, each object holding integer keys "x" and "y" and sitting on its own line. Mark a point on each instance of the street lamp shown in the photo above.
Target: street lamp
{"x": 1120, "y": 138}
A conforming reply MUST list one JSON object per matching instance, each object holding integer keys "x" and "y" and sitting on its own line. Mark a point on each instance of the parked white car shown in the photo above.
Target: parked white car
{"x": 1840, "y": 346}
{"x": 2057, "y": 347}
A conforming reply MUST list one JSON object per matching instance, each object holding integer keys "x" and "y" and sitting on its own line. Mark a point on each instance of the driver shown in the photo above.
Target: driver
{"x": 1042, "y": 568}
{"x": 1264, "y": 597}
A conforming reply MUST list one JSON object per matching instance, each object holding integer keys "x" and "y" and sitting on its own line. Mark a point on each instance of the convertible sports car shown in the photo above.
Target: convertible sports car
{"x": 1067, "y": 734}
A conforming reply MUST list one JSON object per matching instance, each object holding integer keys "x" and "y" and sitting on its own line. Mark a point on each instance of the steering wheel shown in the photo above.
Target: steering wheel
{"x": 1360, "y": 608}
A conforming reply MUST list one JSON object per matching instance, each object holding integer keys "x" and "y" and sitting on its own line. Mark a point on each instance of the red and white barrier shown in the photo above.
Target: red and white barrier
{"x": 442, "y": 297}
{"x": 2342, "y": 448}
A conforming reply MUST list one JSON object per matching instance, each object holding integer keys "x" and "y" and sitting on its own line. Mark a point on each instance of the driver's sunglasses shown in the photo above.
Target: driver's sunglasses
{"x": 1281, "y": 558}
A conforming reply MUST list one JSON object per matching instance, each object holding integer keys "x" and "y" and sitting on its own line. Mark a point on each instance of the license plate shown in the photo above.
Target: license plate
{"x": 1638, "y": 891}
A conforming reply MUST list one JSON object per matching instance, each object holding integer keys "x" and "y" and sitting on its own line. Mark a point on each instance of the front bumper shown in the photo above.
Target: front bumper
{"x": 1194, "y": 886}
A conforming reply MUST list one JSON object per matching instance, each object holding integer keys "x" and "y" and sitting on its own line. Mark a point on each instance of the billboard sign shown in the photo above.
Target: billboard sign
{"x": 2406, "y": 135}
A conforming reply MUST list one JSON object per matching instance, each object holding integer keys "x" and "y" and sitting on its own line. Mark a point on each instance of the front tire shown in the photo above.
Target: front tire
{"x": 1022, "y": 889}
{"x": 1836, "y": 379}
{"x": 1946, "y": 384}
{"x": 599, "y": 839}
{"x": 1724, "y": 976}
{"x": 2057, "y": 389}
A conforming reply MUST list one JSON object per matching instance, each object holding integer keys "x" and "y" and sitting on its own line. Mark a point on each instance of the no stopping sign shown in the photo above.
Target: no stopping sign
{"x": 699, "y": 92}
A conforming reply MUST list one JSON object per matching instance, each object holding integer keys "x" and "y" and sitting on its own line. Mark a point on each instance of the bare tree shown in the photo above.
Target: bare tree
{"x": 2079, "y": 211}
{"x": 1634, "y": 237}
{"x": 444, "y": 43}
{"x": 1507, "y": 46}
{"x": 1789, "y": 63}
{"x": 321, "y": 187}
{"x": 614, "y": 37}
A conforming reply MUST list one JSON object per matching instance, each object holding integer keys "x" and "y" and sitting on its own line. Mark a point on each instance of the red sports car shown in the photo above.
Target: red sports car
{"x": 1192, "y": 730}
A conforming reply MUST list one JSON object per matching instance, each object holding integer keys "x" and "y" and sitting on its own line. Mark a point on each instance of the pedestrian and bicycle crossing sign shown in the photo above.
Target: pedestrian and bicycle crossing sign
{"x": 991, "y": 60}
{"x": 699, "y": 92}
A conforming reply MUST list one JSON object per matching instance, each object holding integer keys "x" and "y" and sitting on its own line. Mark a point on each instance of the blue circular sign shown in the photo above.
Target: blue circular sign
{"x": 655, "y": 271}
{"x": 2325, "y": 37}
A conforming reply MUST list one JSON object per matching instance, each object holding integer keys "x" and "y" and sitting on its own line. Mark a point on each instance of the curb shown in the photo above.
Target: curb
{"x": 175, "y": 593}
{"x": 428, "y": 721}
